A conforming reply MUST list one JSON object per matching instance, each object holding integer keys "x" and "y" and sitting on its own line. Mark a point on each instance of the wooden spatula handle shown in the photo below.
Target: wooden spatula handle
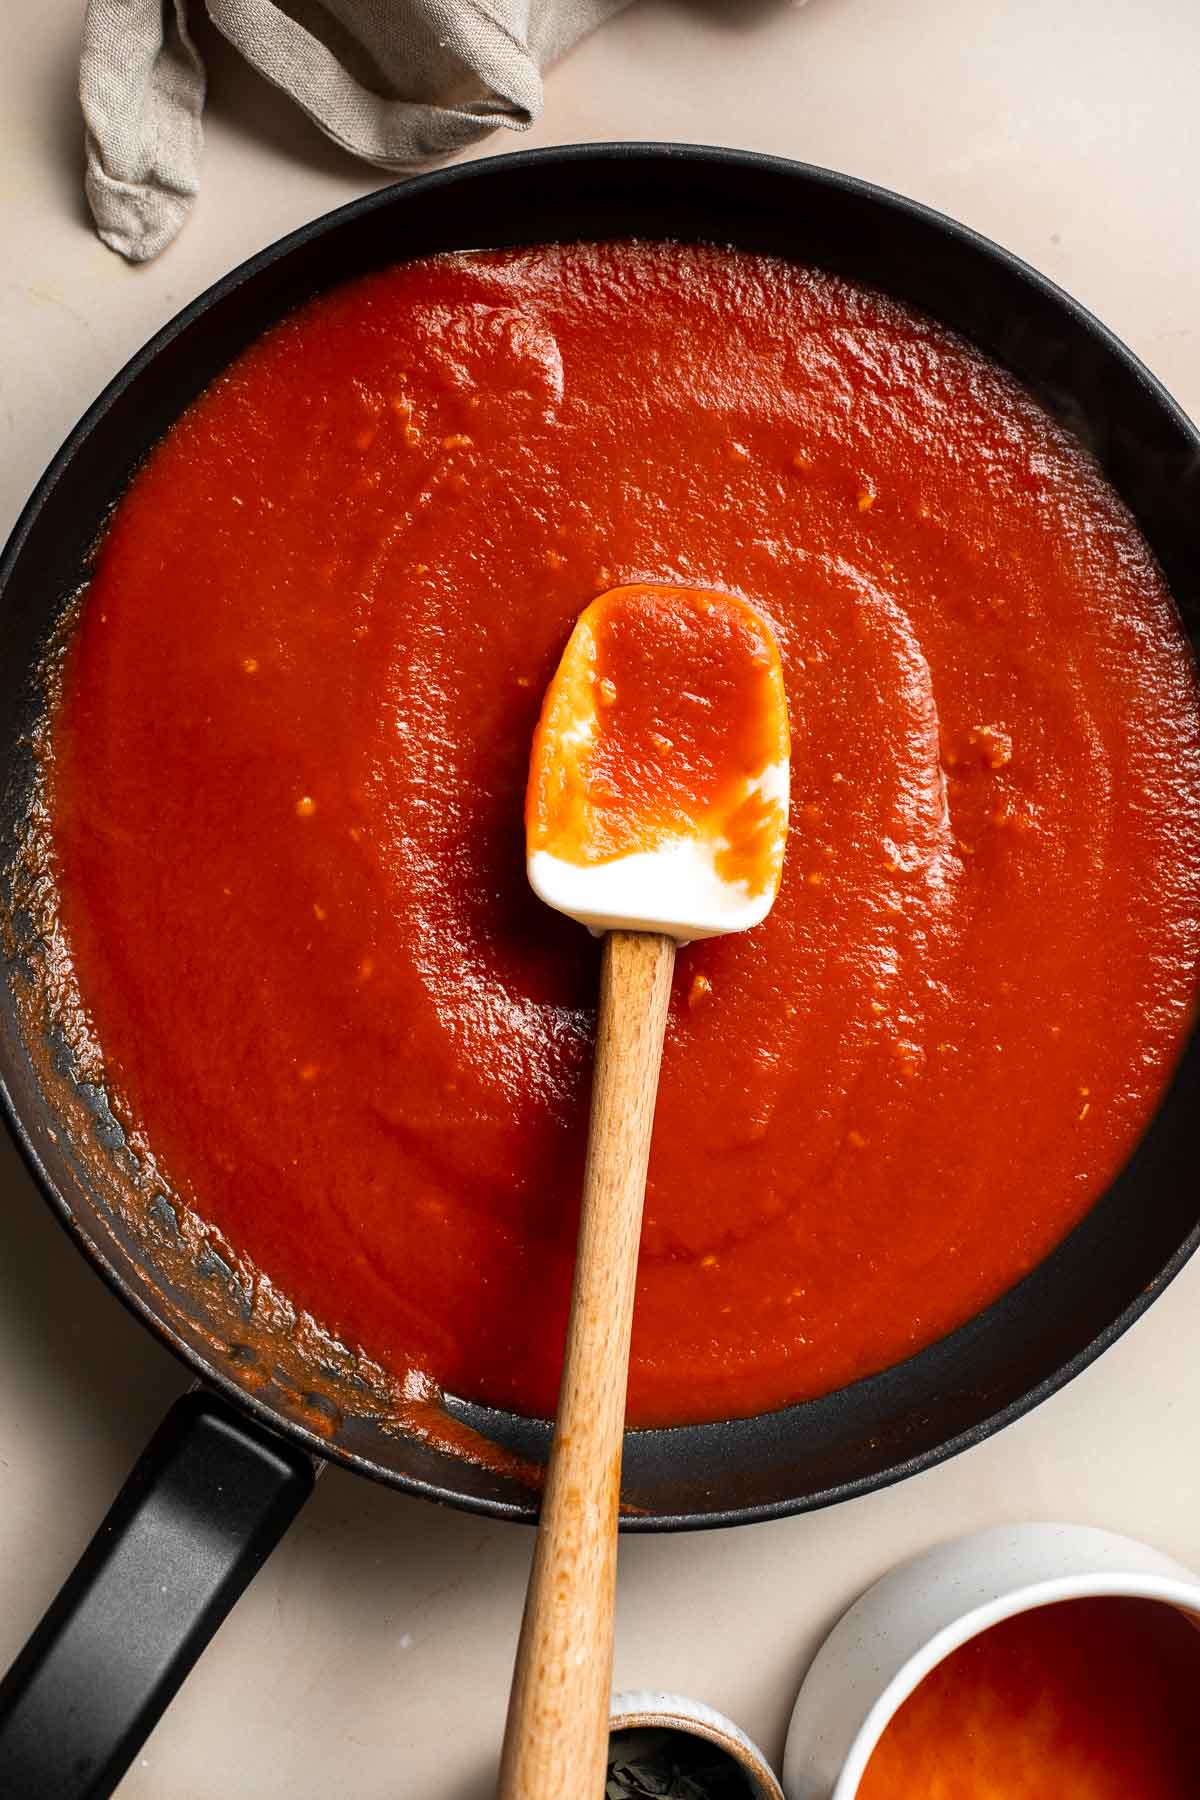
{"x": 557, "y": 1733}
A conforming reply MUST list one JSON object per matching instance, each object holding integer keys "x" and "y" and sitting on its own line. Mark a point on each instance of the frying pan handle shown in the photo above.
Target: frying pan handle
{"x": 202, "y": 1510}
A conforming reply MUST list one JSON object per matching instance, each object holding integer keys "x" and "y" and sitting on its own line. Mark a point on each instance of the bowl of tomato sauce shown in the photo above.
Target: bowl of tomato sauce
{"x": 292, "y": 1047}
{"x": 1030, "y": 1659}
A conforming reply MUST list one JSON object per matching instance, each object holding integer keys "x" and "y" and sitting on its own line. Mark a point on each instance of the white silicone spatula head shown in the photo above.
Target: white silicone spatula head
{"x": 658, "y": 784}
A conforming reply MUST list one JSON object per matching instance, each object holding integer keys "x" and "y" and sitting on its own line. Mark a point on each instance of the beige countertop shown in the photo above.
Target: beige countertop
{"x": 371, "y": 1657}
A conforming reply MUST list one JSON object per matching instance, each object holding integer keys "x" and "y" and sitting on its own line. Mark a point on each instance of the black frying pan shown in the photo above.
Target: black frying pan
{"x": 232, "y": 1465}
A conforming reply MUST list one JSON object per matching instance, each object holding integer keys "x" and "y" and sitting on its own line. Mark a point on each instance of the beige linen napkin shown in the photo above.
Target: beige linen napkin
{"x": 402, "y": 83}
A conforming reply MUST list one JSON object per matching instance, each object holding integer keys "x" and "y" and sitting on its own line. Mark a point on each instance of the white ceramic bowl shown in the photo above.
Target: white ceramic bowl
{"x": 915, "y": 1616}
{"x": 673, "y": 1712}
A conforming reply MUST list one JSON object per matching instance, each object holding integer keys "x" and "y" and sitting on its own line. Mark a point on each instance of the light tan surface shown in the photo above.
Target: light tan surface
{"x": 557, "y": 1731}
{"x": 371, "y": 1658}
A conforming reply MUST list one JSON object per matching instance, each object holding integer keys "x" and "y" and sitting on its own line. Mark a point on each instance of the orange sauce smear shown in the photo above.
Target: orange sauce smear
{"x": 683, "y": 691}
{"x": 1085, "y": 1700}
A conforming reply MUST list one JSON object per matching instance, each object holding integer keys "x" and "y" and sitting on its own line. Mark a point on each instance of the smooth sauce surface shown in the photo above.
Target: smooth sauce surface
{"x": 288, "y": 771}
{"x": 1086, "y": 1700}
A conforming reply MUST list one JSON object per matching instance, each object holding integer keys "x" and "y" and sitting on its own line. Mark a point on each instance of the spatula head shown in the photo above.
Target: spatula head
{"x": 658, "y": 782}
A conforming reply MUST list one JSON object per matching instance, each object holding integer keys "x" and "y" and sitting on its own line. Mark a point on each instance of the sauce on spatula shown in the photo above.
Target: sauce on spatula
{"x": 658, "y": 787}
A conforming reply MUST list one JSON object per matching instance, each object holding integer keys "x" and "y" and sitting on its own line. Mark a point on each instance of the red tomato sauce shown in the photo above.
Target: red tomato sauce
{"x": 286, "y": 790}
{"x": 680, "y": 698}
{"x": 1085, "y": 1700}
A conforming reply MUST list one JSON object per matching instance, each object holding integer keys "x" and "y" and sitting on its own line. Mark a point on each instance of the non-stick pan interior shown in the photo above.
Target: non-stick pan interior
{"x": 1132, "y": 1242}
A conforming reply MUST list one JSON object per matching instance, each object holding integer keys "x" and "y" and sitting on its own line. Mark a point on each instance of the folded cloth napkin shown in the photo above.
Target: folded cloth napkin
{"x": 402, "y": 83}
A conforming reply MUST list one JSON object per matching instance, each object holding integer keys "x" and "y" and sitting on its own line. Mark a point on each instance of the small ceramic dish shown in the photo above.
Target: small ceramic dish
{"x": 692, "y": 1718}
{"x": 915, "y": 1616}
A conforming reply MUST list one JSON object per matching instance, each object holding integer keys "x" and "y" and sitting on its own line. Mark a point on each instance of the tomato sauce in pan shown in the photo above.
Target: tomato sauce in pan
{"x": 286, "y": 787}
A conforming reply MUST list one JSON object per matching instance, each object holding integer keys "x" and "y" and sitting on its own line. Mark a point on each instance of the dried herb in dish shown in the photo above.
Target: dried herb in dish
{"x": 655, "y": 1764}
